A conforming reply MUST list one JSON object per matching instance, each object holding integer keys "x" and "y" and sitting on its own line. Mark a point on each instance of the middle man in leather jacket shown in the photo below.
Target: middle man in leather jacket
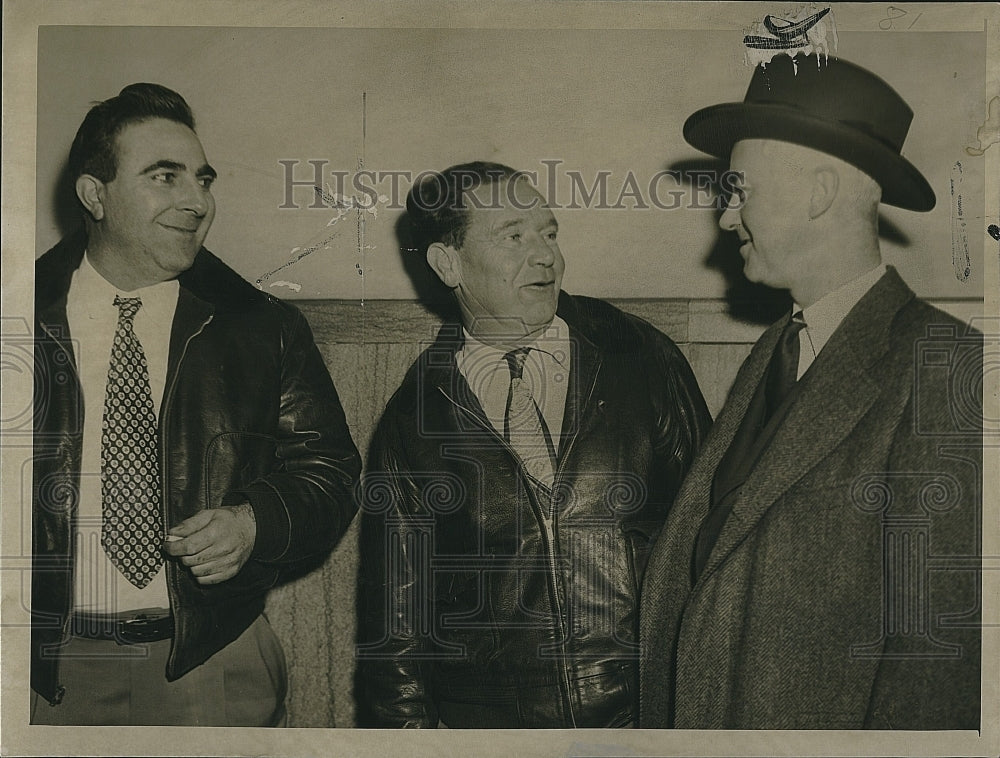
{"x": 517, "y": 480}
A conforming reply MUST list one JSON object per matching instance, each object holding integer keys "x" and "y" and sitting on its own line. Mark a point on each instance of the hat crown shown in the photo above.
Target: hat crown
{"x": 834, "y": 90}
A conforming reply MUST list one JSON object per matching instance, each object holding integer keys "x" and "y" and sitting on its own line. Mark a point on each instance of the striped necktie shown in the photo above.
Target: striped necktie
{"x": 524, "y": 426}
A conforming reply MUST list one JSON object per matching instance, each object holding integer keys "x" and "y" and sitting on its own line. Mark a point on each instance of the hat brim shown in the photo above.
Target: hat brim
{"x": 716, "y": 129}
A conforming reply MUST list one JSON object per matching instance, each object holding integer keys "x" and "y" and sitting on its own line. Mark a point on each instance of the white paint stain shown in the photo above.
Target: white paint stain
{"x": 819, "y": 39}
{"x": 961, "y": 260}
{"x": 346, "y": 203}
{"x": 989, "y": 133}
{"x": 291, "y": 285}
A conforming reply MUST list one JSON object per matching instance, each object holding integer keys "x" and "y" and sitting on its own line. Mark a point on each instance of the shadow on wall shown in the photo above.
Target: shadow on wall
{"x": 66, "y": 208}
{"x": 892, "y": 233}
{"x": 749, "y": 302}
{"x": 431, "y": 291}
{"x": 746, "y": 301}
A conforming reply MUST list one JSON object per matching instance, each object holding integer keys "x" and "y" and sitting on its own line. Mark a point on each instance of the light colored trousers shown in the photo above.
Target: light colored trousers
{"x": 244, "y": 684}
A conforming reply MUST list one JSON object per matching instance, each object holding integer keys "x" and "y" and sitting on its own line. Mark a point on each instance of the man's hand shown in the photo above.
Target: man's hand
{"x": 214, "y": 543}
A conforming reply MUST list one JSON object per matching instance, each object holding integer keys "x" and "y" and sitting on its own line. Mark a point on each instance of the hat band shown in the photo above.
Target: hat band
{"x": 865, "y": 128}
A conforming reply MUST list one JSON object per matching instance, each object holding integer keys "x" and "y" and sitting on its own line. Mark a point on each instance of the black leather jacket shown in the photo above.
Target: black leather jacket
{"x": 473, "y": 613}
{"x": 249, "y": 413}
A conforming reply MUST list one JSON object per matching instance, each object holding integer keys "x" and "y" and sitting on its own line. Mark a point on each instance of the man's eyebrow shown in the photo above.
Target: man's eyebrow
{"x": 517, "y": 222}
{"x": 161, "y": 164}
{"x": 514, "y": 222}
{"x": 205, "y": 170}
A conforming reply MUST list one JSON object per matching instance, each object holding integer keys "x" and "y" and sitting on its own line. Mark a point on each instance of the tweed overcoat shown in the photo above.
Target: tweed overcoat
{"x": 843, "y": 591}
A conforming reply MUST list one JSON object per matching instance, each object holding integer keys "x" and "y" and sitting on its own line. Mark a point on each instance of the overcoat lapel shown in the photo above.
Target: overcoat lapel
{"x": 669, "y": 575}
{"x": 698, "y": 484}
{"x": 838, "y": 390}
{"x": 667, "y": 585}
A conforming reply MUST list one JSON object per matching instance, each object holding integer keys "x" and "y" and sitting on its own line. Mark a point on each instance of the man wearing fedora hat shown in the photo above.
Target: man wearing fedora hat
{"x": 820, "y": 566}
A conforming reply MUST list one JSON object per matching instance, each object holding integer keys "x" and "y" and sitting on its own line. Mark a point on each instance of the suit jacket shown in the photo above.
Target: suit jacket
{"x": 843, "y": 591}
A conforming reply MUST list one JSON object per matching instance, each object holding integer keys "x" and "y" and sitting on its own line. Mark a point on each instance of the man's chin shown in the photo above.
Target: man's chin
{"x": 751, "y": 273}
{"x": 190, "y": 253}
{"x": 180, "y": 262}
{"x": 540, "y": 311}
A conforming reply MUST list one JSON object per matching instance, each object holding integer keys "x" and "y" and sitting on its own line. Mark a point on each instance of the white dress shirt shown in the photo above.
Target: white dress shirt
{"x": 825, "y": 315}
{"x": 93, "y": 318}
{"x": 546, "y": 371}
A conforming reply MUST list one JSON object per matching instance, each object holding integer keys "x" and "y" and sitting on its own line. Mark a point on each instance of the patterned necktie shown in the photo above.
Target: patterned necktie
{"x": 782, "y": 372}
{"x": 130, "y": 472}
{"x": 524, "y": 427}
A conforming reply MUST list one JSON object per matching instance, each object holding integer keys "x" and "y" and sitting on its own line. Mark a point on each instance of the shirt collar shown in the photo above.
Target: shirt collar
{"x": 554, "y": 342}
{"x": 97, "y": 294}
{"x": 826, "y": 314}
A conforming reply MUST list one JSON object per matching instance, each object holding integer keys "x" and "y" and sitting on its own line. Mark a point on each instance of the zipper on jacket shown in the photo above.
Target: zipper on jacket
{"x": 173, "y": 593}
{"x": 548, "y": 541}
{"x": 551, "y": 535}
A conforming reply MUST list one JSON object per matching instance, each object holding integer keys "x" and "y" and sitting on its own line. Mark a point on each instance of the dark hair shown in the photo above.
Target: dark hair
{"x": 436, "y": 202}
{"x": 94, "y": 149}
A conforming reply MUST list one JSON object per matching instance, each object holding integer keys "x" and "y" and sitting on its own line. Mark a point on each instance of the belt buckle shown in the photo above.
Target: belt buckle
{"x": 141, "y": 629}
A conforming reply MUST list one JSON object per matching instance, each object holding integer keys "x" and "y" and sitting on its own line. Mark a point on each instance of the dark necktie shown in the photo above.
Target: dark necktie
{"x": 524, "y": 426}
{"x": 778, "y": 380}
{"x": 782, "y": 372}
{"x": 132, "y": 522}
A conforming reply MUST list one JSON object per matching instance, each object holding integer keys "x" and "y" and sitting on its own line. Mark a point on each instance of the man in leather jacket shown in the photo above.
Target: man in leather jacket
{"x": 517, "y": 479}
{"x": 248, "y": 471}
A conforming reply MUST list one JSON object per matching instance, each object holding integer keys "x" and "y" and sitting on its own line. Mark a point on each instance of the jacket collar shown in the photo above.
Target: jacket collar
{"x": 439, "y": 369}
{"x": 840, "y": 387}
{"x": 208, "y": 279}
{"x": 207, "y": 287}
{"x": 53, "y": 275}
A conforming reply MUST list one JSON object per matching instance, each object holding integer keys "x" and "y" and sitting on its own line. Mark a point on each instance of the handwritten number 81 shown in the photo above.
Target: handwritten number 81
{"x": 886, "y": 23}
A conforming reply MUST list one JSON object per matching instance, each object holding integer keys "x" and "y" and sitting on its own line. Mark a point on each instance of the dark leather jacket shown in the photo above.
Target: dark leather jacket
{"x": 249, "y": 413}
{"x": 471, "y": 612}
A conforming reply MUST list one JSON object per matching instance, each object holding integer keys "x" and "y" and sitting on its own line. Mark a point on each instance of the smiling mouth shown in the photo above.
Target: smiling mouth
{"x": 181, "y": 229}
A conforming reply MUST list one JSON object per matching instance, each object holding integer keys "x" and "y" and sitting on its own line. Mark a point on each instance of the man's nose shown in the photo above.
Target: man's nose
{"x": 195, "y": 197}
{"x": 542, "y": 252}
{"x": 730, "y": 217}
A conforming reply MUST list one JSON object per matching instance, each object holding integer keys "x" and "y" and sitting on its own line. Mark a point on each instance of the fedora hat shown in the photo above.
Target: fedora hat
{"x": 829, "y": 105}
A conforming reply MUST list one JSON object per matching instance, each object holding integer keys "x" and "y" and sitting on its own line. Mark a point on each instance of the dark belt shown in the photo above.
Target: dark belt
{"x": 129, "y": 628}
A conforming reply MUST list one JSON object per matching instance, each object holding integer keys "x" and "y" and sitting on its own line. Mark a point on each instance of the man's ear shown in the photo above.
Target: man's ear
{"x": 826, "y": 184}
{"x": 445, "y": 261}
{"x": 90, "y": 191}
